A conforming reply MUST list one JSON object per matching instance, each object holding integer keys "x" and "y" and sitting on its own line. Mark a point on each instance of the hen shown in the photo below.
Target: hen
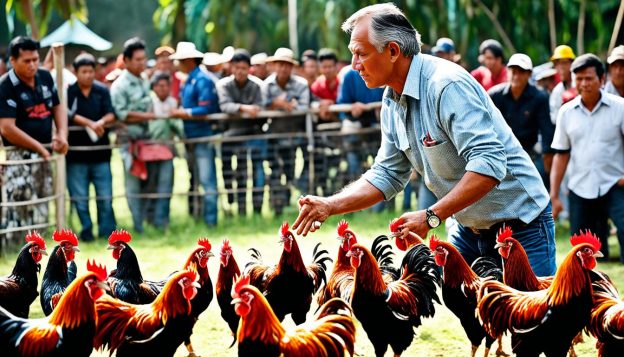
{"x": 58, "y": 275}
{"x": 228, "y": 271}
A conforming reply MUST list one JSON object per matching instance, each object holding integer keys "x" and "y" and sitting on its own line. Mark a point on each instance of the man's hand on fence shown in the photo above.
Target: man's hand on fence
{"x": 59, "y": 144}
{"x": 357, "y": 109}
{"x": 179, "y": 113}
{"x": 251, "y": 110}
{"x": 98, "y": 127}
{"x": 313, "y": 211}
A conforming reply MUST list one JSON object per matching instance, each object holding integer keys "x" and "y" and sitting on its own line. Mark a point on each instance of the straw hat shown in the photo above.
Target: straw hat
{"x": 258, "y": 58}
{"x": 186, "y": 50}
{"x": 213, "y": 59}
{"x": 283, "y": 55}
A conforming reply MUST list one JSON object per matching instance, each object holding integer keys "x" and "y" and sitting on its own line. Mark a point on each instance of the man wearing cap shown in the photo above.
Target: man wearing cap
{"x": 213, "y": 65}
{"x": 562, "y": 60}
{"x": 198, "y": 98}
{"x": 615, "y": 84}
{"x": 166, "y": 66}
{"x": 287, "y": 92}
{"x": 590, "y": 131}
{"x": 525, "y": 109}
{"x": 493, "y": 70}
{"x": 545, "y": 80}
{"x": 437, "y": 119}
{"x": 445, "y": 48}
{"x": 258, "y": 66}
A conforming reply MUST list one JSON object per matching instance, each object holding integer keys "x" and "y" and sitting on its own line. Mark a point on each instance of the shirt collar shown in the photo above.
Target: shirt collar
{"x": 412, "y": 82}
{"x": 604, "y": 100}
{"x": 194, "y": 72}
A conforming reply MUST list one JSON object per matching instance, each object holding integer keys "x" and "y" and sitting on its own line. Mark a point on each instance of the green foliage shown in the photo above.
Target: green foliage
{"x": 37, "y": 13}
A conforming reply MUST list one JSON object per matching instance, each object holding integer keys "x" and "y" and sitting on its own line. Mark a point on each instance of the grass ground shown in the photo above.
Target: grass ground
{"x": 160, "y": 253}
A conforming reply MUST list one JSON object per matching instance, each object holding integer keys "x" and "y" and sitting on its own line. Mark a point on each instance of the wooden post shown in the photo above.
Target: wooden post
{"x": 292, "y": 27}
{"x": 58, "y": 51}
{"x": 311, "y": 151}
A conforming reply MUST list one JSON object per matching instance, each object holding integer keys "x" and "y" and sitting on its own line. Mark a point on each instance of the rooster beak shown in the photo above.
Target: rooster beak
{"x": 103, "y": 285}
{"x": 196, "y": 284}
{"x": 236, "y": 301}
{"x": 110, "y": 247}
{"x": 43, "y": 251}
{"x": 499, "y": 245}
{"x": 598, "y": 254}
{"x": 210, "y": 254}
{"x": 75, "y": 249}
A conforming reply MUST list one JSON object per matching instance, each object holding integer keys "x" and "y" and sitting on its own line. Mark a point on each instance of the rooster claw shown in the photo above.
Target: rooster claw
{"x": 192, "y": 354}
{"x": 501, "y": 353}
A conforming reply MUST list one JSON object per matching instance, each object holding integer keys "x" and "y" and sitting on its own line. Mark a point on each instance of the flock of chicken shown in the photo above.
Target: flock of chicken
{"x": 122, "y": 313}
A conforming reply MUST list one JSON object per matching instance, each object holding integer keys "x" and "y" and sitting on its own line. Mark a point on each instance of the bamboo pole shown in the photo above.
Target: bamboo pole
{"x": 58, "y": 51}
{"x": 616, "y": 27}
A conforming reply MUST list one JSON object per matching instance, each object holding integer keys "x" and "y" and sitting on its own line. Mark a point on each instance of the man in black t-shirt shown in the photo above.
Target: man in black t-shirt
{"x": 90, "y": 106}
{"x": 28, "y": 104}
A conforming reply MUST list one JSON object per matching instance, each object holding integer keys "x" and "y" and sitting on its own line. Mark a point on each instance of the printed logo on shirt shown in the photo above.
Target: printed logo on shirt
{"x": 11, "y": 103}
{"x": 46, "y": 92}
{"x": 38, "y": 111}
{"x": 24, "y": 96}
{"x": 205, "y": 102}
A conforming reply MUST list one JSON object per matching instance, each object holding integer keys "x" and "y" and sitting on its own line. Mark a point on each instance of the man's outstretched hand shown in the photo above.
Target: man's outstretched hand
{"x": 313, "y": 211}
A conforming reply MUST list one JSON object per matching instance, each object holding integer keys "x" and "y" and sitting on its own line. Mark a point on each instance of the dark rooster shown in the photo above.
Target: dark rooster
{"x": 68, "y": 331}
{"x": 58, "y": 275}
{"x": 19, "y": 290}
{"x": 126, "y": 282}
{"x": 390, "y": 311}
{"x": 460, "y": 288}
{"x": 228, "y": 271}
{"x": 289, "y": 285}
{"x": 607, "y": 317}
{"x": 156, "y": 329}
{"x": 544, "y": 321}
{"x": 260, "y": 333}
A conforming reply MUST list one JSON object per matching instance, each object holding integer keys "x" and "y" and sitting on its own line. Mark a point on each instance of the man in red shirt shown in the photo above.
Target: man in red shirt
{"x": 493, "y": 70}
{"x": 325, "y": 87}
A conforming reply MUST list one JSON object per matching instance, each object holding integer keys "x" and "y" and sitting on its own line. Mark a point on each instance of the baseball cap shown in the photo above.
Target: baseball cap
{"x": 520, "y": 60}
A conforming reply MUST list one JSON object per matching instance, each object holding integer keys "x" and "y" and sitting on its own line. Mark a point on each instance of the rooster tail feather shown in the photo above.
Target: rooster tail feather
{"x": 487, "y": 267}
{"x": 382, "y": 251}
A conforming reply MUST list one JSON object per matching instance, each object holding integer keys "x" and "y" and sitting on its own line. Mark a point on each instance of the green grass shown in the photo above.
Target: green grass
{"x": 160, "y": 253}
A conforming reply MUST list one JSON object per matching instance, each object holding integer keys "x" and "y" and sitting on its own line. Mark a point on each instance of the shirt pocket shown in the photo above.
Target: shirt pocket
{"x": 444, "y": 161}
{"x": 610, "y": 131}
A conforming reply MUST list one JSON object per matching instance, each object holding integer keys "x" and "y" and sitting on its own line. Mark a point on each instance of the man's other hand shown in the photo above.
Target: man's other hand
{"x": 313, "y": 211}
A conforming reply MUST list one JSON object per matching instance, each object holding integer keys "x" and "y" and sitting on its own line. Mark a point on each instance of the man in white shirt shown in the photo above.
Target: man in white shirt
{"x": 615, "y": 84}
{"x": 590, "y": 131}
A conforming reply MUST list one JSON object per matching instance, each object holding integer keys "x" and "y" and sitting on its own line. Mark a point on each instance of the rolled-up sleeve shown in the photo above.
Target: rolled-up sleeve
{"x": 391, "y": 170}
{"x": 469, "y": 123}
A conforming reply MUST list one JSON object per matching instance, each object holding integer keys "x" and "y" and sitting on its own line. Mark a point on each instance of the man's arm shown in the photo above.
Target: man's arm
{"x": 559, "y": 165}
{"x": 19, "y": 138}
{"x": 59, "y": 140}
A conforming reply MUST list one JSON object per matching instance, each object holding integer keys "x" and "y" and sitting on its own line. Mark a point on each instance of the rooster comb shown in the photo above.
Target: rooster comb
{"x": 226, "y": 245}
{"x": 65, "y": 235}
{"x": 284, "y": 229}
{"x": 35, "y": 237}
{"x": 119, "y": 235}
{"x": 205, "y": 243}
{"x": 190, "y": 273}
{"x": 342, "y": 227}
{"x": 98, "y": 269}
{"x": 504, "y": 233}
{"x": 434, "y": 242}
{"x": 240, "y": 282}
{"x": 395, "y": 223}
{"x": 586, "y": 237}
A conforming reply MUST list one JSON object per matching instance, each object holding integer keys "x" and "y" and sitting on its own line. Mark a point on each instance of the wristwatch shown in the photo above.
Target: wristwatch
{"x": 433, "y": 221}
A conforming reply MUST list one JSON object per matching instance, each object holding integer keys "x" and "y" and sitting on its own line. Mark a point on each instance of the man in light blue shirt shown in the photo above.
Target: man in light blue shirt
{"x": 438, "y": 120}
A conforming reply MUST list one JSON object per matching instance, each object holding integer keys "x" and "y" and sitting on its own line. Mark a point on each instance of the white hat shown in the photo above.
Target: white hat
{"x": 548, "y": 72}
{"x": 617, "y": 54}
{"x": 258, "y": 58}
{"x": 228, "y": 53}
{"x": 213, "y": 59}
{"x": 186, "y": 50}
{"x": 283, "y": 55}
{"x": 520, "y": 60}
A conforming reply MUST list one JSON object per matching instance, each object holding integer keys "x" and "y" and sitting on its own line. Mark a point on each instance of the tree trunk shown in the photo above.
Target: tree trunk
{"x": 616, "y": 27}
{"x": 497, "y": 25}
{"x": 30, "y": 15}
{"x": 580, "y": 31}
{"x": 552, "y": 25}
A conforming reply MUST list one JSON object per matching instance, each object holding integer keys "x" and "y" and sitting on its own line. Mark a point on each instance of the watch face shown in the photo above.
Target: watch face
{"x": 433, "y": 221}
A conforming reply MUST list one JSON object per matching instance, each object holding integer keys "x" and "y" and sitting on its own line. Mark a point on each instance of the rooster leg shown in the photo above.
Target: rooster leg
{"x": 486, "y": 353}
{"x": 499, "y": 350}
{"x": 571, "y": 352}
{"x": 190, "y": 349}
{"x": 474, "y": 350}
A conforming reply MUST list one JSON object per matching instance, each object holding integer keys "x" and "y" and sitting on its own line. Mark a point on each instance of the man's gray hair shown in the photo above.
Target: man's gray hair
{"x": 387, "y": 24}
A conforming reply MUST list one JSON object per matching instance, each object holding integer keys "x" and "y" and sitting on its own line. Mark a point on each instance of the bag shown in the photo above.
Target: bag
{"x": 153, "y": 152}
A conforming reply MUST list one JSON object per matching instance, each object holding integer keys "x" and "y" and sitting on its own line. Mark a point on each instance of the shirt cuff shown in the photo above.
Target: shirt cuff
{"x": 189, "y": 112}
{"x": 486, "y": 167}
{"x": 388, "y": 185}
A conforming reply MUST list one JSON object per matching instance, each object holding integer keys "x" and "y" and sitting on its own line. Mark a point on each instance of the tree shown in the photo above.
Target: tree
{"x": 36, "y": 13}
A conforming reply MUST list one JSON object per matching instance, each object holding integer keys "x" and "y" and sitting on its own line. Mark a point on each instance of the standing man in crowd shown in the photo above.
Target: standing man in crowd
{"x": 28, "y": 105}
{"x": 590, "y": 132}
{"x": 130, "y": 94}
{"x": 525, "y": 108}
{"x": 198, "y": 98}
{"x": 259, "y": 66}
{"x": 90, "y": 106}
{"x": 445, "y": 48}
{"x": 562, "y": 60}
{"x": 493, "y": 70}
{"x": 325, "y": 87}
{"x": 165, "y": 65}
{"x": 615, "y": 84}
{"x": 309, "y": 66}
{"x": 241, "y": 93}
{"x": 437, "y": 119}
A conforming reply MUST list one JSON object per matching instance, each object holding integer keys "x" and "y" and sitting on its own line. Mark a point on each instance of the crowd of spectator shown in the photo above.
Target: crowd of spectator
{"x": 566, "y": 114}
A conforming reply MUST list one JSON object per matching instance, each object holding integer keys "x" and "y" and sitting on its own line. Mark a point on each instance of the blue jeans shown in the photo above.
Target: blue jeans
{"x": 205, "y": 169}
{"x": 79, "y": 177}
{"x": 593, "y": 214}
{"x": 537, "y": 238}
{"x": 160, "y": 180}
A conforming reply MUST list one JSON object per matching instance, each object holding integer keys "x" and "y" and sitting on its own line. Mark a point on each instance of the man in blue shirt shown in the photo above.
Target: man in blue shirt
{"x": 199, "y": 97}
{"x": 438, "y": 120}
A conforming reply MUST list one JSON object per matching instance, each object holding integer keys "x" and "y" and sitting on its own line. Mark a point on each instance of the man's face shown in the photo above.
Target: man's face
{"x": 587, "y": 82}
{"x": 260, "y": 70}
{"x": 490, "y": 61}
{"x": 240, "y": 70}
{"x": 161, "y": 88}
{"x": 163, "y": 63}
{"x": 310, "y": 68}
{"x": 374, "y": 67}
{"x": 283, "y": 70}
{"x": 616, "y": 71}
{"x": 329, "y": 68}
{"x": 136, "y": 64}
{"x": 26, "y": 64}
{"x": 563, "y": 68}
{"x": 519, "y": 77}
{"x": 186, "y": 65}
{"x": 85, "y": 76}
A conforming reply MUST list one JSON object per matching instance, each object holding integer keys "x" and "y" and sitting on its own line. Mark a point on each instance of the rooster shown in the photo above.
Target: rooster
{"x": 607, "y": 317}
{"x": 546, "y": 320}
{"x": 403, "y": 243}
{"x": 460, "y": 288}
{"x": 19, "y": 290}
{"x": 260, "y": 332}
{"x": 126, "y": 282}
{"x": 390, "y": 311}
{"x": 58, "y": 275}
{"x": 68, "y": 331}
{"x": 289, "y": 285}
{"x": 228, "y": 271}
{"x": 156, "y": 329}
